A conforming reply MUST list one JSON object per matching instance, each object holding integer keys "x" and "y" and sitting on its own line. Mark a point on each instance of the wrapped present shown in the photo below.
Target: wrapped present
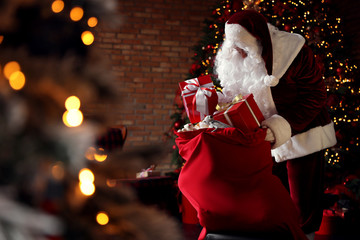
{"x": 199, "y": 97}
{"x": 243, "y": 113}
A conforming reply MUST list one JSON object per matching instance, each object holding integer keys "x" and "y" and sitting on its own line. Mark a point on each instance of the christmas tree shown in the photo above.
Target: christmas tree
{"x": 322, "y": 29}
{"x": 53, "y": 176}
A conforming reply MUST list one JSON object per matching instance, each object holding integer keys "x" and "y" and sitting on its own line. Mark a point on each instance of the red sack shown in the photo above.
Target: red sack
{"x": 228, "y": 179}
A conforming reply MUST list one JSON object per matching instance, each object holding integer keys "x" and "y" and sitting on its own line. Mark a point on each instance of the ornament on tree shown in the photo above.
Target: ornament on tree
{"x": 339, "y": 71}
{"x": 287, "y": 27}
{"x": 178, "y": 124}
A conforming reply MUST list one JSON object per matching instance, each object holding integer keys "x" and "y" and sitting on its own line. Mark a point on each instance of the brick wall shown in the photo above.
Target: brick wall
{"x": 150, "y": 53}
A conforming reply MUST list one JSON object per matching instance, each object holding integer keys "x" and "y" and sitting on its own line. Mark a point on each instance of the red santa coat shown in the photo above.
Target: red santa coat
{"x": 228, "y": 178}
{"x": 294, "y": 89}
{"x": 300, "y": 98}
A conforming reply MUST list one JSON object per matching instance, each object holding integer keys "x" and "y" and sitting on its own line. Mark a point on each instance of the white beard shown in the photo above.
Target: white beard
{"x": 243, "y": 76}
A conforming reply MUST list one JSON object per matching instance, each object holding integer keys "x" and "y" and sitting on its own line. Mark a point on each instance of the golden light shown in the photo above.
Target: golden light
{"x": 17, "y": 80}
{"x": 87, "y": 37}
{"x": 1, "y": 38}
{"x": 72, "y": 102}
{"x": 57, "y": 6}
{"x": 87, "y": 188}
{"x": 92, "y": 22}
{"x": 111, "y": 182}
{"x": 73, "y": 118}
{"x": 90, "y": 152}
{"x": 86, "y": 175}
{"x": 100, "y": 155}
{"x": 57, "y": 171}
{"x": 76, "y": 14}
{"x": 102, "y": 218}
{"x": 10, "y": 68}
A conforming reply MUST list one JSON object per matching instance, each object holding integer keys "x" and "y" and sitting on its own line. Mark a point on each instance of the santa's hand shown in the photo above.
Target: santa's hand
{"x": 269, "y": 135}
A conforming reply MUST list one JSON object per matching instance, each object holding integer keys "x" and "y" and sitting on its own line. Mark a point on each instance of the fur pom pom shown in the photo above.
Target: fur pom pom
{"x": 271, "y": 80}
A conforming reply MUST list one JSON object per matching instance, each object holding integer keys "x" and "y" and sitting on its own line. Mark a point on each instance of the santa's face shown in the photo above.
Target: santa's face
{"x": 240, "y": 68}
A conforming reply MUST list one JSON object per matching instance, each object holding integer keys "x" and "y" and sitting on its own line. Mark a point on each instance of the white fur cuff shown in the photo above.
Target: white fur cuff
{"x": 280, "y": 127}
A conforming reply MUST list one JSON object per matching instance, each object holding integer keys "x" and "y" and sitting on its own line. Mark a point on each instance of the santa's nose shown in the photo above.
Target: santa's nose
{"x": 242, "y": 52}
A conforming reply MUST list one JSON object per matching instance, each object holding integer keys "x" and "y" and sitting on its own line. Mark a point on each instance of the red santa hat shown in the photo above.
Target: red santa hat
{"x": 250, "y": 28}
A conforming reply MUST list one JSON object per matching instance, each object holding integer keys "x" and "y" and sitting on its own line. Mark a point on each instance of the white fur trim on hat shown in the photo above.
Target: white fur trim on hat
{"x": 280, "y": 127}
{"x": 286, "y": 47}
{"x": 271, "y": 80}
{"x": 240, "y": 36}
{"x": 305, "y": 143}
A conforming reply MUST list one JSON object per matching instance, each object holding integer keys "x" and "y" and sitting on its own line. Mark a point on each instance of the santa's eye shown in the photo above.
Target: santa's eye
{"x": 242, "y": 52}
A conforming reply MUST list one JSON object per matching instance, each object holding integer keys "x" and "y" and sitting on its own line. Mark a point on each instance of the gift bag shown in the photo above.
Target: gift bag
{"x": 228, "y": 179}
{"x": 199, "y": 97}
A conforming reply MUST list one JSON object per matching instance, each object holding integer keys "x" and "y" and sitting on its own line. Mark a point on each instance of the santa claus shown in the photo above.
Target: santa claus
{"x": 281, "y": 71}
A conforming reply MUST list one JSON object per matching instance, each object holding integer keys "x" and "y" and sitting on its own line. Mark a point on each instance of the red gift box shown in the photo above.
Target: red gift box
{"x": 199, "y": 97}
{"x": 243, "y": 113}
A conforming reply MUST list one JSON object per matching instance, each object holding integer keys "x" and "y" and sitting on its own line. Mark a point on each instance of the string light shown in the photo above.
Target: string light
{"x": 58, "y": 171}
{"x": 72, "y": 117}
{"x": 17, "y": 80}
{"x": 100, "y": 155}
{"x": 57, "y": 6}
{"x": 76, "y": 14}
{"x": 86, "y": 182}
{"x": 102, "y": 218}
{"x": 92, "y": 22}
{"x": 87, "y": 37}
{"x": 10, "y": 68}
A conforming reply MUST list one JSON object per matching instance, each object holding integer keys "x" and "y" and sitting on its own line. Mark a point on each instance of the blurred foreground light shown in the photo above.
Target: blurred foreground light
{"x": 90, "y": 152}
{"x": 73, "y": 118}
{"x": 17, "y": 80}
{"x": 10, "y": 68}
{"x": 58, "y": 171}
{"x": 87, "y": 37}
{"x": 1, "y": 38}
{"x": 111, "y": 183}
{"x": 76, "y": 14}
{"x": 72, "y": 102}
{"x": 87, "y": 188}
{"x": 92, "y": 22}
{"x": 86, "y": 175}
{"x": 86, "y": 184}
{"x": 57, "y": 6}
{"x": 102, "y": 218}
{"x": 100, "y": 155}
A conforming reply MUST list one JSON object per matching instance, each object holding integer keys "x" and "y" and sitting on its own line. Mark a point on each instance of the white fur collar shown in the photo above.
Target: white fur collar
{"x": 286, "y": 47}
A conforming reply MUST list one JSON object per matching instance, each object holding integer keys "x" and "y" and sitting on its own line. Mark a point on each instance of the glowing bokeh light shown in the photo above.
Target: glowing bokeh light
{"x": 10, "y": 68}
{"x": 92, "y": 22}
{"x": 87, "y": 188}
{"x": 100, "y": 155}
{"x": 111, "y": 182}
{"x": 1, "y": 38}
{"x": 72, "y": 102}
{"x": 57, "y": 6}
{"x": 102, "y": 218}
{"x": 86, "y": 175}
{"x": 58, "y": 171}
{"x": 17, "y": 80}
{"x": 87, "y": 37}
{"x": 73, "y": 118}
{"x": 90, "y": 152}
{"x": 76, "y": 14}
